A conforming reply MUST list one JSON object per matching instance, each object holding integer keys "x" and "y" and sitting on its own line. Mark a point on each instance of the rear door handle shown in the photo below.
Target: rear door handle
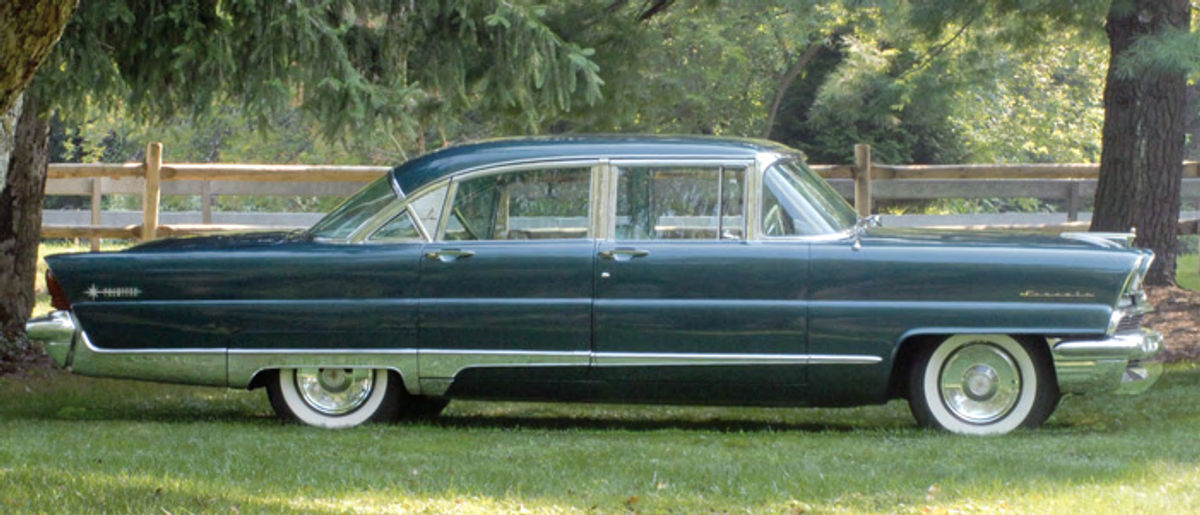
{"x": 623, "y": 254}
{"x": 448, "y": 255}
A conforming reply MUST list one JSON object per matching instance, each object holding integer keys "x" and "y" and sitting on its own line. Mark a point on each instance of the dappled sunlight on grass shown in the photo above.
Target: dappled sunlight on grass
{"x": 82, "y": 444}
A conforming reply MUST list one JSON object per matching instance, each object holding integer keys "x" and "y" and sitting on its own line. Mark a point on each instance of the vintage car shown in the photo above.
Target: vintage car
{"x": 629, "y": 269}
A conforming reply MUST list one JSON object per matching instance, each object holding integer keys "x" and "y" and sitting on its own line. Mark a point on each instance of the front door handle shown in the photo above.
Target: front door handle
{"x": 623, "y": 254}
{"x": 448, "y": 255}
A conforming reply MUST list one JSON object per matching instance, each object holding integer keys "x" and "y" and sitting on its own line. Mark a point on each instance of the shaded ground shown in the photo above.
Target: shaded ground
{"x": 1177, "y": 316}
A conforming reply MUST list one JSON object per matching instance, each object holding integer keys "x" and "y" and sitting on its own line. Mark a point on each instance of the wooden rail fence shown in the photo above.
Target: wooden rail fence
{"x": 863, "y": 181}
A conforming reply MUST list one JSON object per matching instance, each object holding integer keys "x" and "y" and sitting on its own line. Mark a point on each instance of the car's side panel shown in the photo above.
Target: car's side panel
{"x": 283, "y": 297}
{"x": 696, "y": 312}
{"x": 868, "y": 298}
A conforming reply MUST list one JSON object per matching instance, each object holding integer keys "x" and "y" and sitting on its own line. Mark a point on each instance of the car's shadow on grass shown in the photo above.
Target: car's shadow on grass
{"x": 723, "y": 425}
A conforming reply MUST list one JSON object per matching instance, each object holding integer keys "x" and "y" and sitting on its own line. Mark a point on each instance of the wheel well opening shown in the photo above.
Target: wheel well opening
{"x": 910, "y": 347}
{"x": 261, "y": 378}
{"x": 903, "y": 362}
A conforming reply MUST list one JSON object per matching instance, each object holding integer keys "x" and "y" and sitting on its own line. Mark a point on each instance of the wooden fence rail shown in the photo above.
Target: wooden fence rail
{"x": 864, "y": 182}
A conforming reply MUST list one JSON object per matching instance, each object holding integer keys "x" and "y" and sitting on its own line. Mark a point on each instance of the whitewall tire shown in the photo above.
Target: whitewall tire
{"x": 336, "y": 397}
{"x": 982, "y": 384}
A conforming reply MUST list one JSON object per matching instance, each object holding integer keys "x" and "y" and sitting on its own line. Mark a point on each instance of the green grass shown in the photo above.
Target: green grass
{"x": 1186, "y": 271}
{"x": 74, "y": 444}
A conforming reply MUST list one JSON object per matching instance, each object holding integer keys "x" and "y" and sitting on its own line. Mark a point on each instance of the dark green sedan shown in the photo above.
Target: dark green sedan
{"x": 674, "y": 270}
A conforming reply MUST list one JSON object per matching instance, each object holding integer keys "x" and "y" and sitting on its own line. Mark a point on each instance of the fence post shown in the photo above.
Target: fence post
{"x": 153, "y": 191}
{"x": 862, "y": 179}
{"x": 97, "y": 191}
{"x": 1073, "y": 200}
{"x": 206, "y": 202}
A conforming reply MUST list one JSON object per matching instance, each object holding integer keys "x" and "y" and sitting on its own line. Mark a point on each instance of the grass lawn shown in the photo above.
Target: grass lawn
{"x": 75, "y": 444}
{"x": 79, "y": 444}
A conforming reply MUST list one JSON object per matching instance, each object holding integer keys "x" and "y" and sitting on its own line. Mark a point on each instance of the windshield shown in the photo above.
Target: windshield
{"x": 340, "y": 223}
{"x": 797, "y": 202}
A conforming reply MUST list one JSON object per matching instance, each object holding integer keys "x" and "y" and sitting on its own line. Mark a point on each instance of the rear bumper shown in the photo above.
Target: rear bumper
{"x": 57, "y": 332}
{"x": 1121, "y": 363}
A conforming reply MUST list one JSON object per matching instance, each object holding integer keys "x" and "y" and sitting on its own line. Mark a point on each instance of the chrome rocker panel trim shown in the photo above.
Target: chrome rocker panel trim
{"x": 425, "y": 371}
{"x": 1119, "y": 363}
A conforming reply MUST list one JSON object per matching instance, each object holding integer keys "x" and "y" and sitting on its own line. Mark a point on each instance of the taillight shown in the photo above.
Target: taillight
{"x": 58, "y": 296}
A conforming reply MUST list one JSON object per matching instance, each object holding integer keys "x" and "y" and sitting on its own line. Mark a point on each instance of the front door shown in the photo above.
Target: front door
{"x": 682, "y": 297}
{"x": 506, "y": 287}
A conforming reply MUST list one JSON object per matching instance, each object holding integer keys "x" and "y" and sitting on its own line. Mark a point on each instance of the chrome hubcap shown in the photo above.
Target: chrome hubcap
{"x": 980, "y": 383}
{"x": 334, "y": 391}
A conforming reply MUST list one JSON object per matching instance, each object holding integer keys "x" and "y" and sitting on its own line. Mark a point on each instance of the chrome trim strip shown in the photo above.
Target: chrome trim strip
{"x": 323, "y": 351}
{"x": 747, "y": 166}
{"x": 682, "y": 162}
{"x": 624, "y": 359}
{"x": 598, "y": 207}
{"x": 843, "y": 359}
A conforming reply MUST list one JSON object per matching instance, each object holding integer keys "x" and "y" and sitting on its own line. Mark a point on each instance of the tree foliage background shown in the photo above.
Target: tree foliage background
{"x": 378, "y": 81}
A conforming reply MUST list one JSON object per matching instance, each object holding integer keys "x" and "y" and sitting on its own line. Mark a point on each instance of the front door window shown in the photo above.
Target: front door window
{"x": 679, "y": 203}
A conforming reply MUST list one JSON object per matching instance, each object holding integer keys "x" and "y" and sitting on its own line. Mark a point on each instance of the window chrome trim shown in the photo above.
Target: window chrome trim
{"x": 764, "y": 161}
{"x": 747, "y": 166}
{"x": 589, "y": 164}
{"x": 366, "y": 229}
{"x": 600, "y": 209}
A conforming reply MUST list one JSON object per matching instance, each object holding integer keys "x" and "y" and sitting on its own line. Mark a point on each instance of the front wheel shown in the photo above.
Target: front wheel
{"x": 982, "y": 384}
{"x": 335, "y": 397}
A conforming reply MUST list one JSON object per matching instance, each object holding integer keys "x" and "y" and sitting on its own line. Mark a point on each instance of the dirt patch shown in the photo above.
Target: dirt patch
{"x": 1177, "y": 316}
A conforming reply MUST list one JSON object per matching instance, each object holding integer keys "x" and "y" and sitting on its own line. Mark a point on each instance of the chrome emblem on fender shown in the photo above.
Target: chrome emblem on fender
{"x": 121, "y": 291}
{"x": 1058, "y": 294}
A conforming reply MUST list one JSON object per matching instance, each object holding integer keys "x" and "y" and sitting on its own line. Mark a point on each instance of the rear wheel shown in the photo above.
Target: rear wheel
{"x": 336, "y": 397}
{"x": 982, "y": 384}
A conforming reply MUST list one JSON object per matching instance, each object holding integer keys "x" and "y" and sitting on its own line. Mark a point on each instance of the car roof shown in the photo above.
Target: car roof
{"x": 433, "y": 166}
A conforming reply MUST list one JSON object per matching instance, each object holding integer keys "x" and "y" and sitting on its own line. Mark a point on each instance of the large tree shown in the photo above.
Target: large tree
{"x": 347, "y": 63}
{"x": 28, "y": 30}
{"x": 1152, "y": 49}
{"x": 1145, "y": 95}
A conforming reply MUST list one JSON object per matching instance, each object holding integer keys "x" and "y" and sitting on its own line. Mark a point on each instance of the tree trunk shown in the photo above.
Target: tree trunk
{"x": 788, "y": 78}
{"x": 20, "y": 230}
{"x": 1141, "y": 163}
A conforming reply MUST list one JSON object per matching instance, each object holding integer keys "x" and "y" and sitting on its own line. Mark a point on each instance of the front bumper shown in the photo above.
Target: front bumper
{"x": 57, "y": 332}
{"x": 1121, "y": 363}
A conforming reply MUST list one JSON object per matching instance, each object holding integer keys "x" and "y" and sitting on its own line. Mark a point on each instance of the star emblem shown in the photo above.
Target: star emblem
{"x": 92, "y": 292}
